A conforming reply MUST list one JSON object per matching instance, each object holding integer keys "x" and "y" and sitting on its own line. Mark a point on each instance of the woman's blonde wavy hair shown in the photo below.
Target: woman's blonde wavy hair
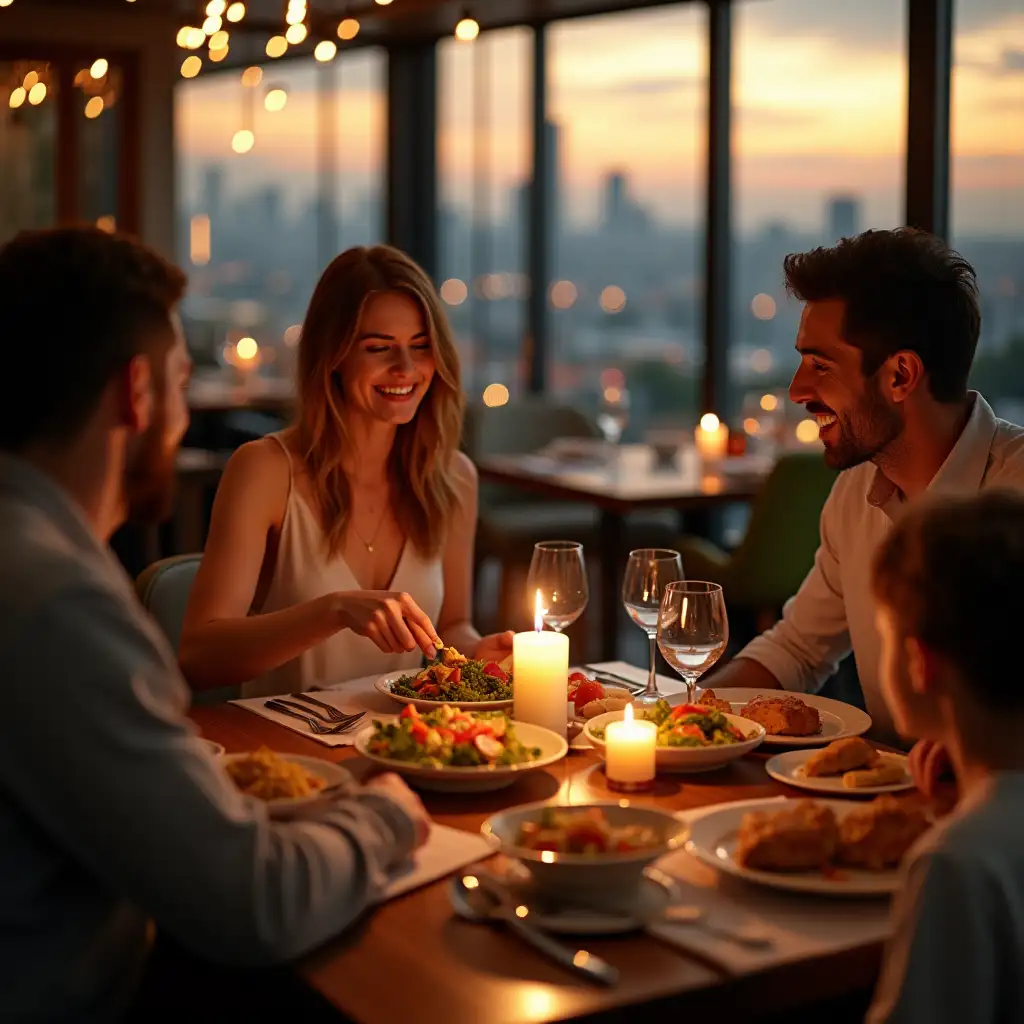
{"x": 421, "y": 465}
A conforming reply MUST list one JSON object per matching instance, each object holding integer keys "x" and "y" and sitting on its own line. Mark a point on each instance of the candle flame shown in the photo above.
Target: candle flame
{"x": 538, "y": 613}
{"x": 627, "y": 714}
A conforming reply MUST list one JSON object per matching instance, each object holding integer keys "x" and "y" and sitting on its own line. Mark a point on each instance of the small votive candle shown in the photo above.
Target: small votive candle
{"x": 712, "y": 438}
{"x": 629, "y": 753}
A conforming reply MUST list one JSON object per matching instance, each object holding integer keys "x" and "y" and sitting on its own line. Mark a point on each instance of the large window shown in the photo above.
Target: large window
{"x": 627, "y": 134}
{"x": 987, "y": 202}
{"x": 483, "y": 167}
{"x": 281, "y": 168}
{"x": 819, "y": 142}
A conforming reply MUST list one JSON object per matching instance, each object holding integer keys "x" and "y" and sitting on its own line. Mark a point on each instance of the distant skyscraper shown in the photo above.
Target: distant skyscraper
{"x": 212, "y": 195}
{"x": 842, "y": 217}
{"x": 616, "y": 199}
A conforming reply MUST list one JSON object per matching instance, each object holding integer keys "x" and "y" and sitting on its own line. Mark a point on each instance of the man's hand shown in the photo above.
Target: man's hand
{"x": 929, "y": 763}
{"x": 391, "y": 785}
{"x": 496, "y": 647}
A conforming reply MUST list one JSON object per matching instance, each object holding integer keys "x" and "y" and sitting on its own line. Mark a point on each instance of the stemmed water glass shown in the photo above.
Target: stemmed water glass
{"x": 648, "y": 572}
{"x": 613, "y": 414}
{"x": 693, "y": 629}
{"x": 559, "y": 572}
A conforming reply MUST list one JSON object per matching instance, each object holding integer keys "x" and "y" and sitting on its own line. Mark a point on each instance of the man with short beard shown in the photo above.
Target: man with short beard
{"x": 886, "y": 341}
{"x": 112, "y": 812}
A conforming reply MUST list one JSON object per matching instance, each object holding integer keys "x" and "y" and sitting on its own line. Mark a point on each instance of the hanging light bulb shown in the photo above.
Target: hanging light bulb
{"x": 276, "y": 46}
{"x": 383, "y": 3}
{"x": 219, "y": 40}
{"x": 19, "y": 95}
{"x": 99, "y": 68}
{"x": 275, "y": 99}
{"x": 191, "y": 66}
{"x": 325, "y": 50}
{"x": 218, "y": 55}
{"x": 243, "y": 140}
{"x": 296, "y": 33}
{"x": 94, "y": 107}
{"x": 236, "y": 12}
{"x": 348, "y": 28}
{"x": 467, "y": 29}
{"x": 251, "y": 77}
{"x": 37, "y": 94}
{"x": 215, "y": 8}
{"x": 214, "y": 23}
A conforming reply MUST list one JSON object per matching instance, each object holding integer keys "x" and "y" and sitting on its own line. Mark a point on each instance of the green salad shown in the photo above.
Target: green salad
{"x": 450, "y": 737}
{"x": 454, "y": 677}
{"x": 688, "y": 725}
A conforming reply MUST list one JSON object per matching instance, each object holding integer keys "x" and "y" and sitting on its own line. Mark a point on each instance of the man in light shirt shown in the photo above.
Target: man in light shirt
{"x": 112, "y": 813}
{"x": 886, "y": 341}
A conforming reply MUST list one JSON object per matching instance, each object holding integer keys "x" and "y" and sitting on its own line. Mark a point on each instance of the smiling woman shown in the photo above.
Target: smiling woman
{"x": 350, "y": 534}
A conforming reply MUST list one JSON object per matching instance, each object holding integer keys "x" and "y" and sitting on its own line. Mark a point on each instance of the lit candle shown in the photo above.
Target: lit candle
{"x": 712, "y": 437}
{"x": 629, "y": 753}
{"x": 540, "y": 666}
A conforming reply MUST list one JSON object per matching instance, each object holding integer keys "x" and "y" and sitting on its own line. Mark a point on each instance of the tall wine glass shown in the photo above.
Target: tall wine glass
{"x": 693, "y": 629}
{"x": 648, "y": 572}
{"x": 613, "y": 414}
{"x": 558, "y": 571}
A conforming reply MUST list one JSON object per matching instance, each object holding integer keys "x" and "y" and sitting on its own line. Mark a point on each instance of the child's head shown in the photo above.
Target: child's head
{"x": 949, "y": 580}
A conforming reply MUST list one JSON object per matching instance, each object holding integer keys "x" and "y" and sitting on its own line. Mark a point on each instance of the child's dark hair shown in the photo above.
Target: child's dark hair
{"x": 951, "y": 573}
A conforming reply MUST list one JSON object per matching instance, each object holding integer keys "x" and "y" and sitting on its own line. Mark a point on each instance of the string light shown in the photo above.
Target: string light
{"x": 215, "y": 8}
{"x": 6, "y": 3}
{"x": 94, "y": 107}
{"x": 218, "y": 55}
{"x": 214, "y": 23}
{"x": 251, "y": 77}
{"x": 191, "y": 66}
{"x": 243, "y": 140}
{"x": 190, "y": 37}
{"x": 275, "y": 99}
{"x": 467, "y": 29}
{"x": 348, "y": 28}
{"x": 30, "y": 79}
{"x": 296, "y": 33}
{"x": 236, "y": 12}
{"x": 19, "y": 95}
{"x": 325, "y": 50}
{"x": 219, "y": 40}
{"x": 99, "y": 68}
{"x": 276, "y": 46}
{"x": 37, "y": 94}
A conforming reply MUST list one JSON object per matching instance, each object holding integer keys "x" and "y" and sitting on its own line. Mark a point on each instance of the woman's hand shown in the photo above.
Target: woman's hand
{"x": 496, "y": 647}
{"x": 392, "y": 620}
{"x": 929, "y": 762}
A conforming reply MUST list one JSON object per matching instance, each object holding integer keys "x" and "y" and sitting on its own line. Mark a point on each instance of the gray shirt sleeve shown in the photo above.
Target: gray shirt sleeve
{"x": 941, "y": 964}
{"x": 104, "y": 761}
{"x": 806, "y": 645}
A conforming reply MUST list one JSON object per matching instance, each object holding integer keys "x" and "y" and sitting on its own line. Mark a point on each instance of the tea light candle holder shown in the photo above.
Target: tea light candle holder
{"x": 629, "y": 754}
{"x": 712, "y": 438}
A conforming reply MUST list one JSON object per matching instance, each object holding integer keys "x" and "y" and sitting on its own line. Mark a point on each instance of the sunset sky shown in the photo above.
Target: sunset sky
{"x": 819, "y": 92}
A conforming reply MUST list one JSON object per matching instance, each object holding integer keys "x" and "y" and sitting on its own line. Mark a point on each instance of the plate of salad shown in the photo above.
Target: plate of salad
{"x": 452, "y": 678}
{"x": 690, "y": 737}
{"x": 455, "y": 751}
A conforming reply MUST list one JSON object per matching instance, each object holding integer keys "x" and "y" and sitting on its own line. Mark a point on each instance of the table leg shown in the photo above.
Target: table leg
{"x": 612, "y": 532}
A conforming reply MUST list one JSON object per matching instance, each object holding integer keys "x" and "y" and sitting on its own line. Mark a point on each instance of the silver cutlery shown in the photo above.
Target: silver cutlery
{"x": 312, "y": 712}
{"x": 315, "y": 725}
{"x": 333, "y": 713}
{"x": 602, "y": 676}
{"x": 480, "y": 899}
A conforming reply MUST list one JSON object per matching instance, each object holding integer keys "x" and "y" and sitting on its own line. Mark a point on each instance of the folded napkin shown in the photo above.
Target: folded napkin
{"x": 350, "y": 697}
{"x": 800, "y": 926}
{"x": 668, "y": 685}
{"x": 447, "y": 850}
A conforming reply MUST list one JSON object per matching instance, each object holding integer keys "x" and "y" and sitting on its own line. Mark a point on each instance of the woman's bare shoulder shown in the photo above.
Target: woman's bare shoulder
{"x": 258, "y": 474}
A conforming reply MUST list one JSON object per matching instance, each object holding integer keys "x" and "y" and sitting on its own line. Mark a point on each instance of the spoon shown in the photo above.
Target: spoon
{"x": 477, "y": 899}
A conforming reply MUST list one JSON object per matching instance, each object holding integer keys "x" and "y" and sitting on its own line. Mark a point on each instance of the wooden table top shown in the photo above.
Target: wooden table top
{"x": 629, "y": 488}
{"x": 410, "y": 959}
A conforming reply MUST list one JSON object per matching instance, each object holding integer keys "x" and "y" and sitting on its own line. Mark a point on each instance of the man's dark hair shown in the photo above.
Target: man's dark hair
{"x": 76, "y": 305}
{"x": 950, "y": 572}
{"x": 904, "y": 290}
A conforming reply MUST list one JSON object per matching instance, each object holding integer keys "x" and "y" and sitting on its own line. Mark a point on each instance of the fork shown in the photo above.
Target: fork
{"x": 315, "y": 725}
{"x": 333, "y": 714}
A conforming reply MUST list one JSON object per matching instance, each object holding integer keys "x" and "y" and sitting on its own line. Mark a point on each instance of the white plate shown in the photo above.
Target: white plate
{"x": 332, "y": 775}
{"x": 383, "y": 685}
{"x": 610, "y": 686}
{"x": 688, "y": 759}
{"x": 657, "y": 892}
{"x": 475, "y": 778}
{"x": 713, "y": 840}
{"x": 788, "y": 768}
{"x": 837, "y": 719}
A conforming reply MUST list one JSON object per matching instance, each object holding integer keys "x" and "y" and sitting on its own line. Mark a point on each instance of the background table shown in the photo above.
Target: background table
{"x": 411, "y": 960}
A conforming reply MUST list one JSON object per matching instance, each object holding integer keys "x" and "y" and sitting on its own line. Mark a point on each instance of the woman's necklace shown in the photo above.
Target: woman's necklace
{"x": 368, "y": 544}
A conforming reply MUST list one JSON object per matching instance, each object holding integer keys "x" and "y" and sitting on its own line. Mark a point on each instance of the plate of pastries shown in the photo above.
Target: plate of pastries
{"x": 850, "y": 767}
{"x": 828, "y": 847}
{"x": 791, "y": 719}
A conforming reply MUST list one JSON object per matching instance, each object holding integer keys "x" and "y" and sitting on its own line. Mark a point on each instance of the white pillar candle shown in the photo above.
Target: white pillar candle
{"x": 629, "y": 753}
{"x": 711, "y": 437}
{"x": 540, "y": 667}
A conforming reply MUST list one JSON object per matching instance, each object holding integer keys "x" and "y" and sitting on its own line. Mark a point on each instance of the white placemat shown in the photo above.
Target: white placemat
{"x": 801, "y": 927}
{"x": 447, "y": 850}
{"x": 351, "y": 696}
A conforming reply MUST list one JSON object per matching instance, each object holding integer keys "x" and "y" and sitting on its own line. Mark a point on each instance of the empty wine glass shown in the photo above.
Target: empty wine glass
{"x": 693, "y": 629}
{"x": 648, "y": 572}
{"x": 558, "y": 571}
{"x": 613, "y": 413}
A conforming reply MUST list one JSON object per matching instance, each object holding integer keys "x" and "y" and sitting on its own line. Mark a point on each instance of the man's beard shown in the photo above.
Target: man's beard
{"x": 150, "y": 474}
{"x": 866, "y": 431}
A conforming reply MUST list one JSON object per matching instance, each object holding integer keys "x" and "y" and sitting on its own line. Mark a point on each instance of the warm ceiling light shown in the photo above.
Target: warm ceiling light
{"x": 348, "y": 28}
{"x": 276, "y": 46}
{"x": 99, "y": 68}
{"x": 214, "y": 23}
{"x": 94, "y": 107}
{"x": 247, "y": 348}
{"x": 219, "y": 40}
{"x": 18, "y": 96}
{"x": 191, "y": 66}
{"x": 467, "y": 30}
{"x": 252, "y": 77}
{"x": 296, "y": 33}
{"x": 325, "y": 50}
{"x": 275, "y": 100}
{"x": 37, "y": 94}
{"x": 236, "y": 12}
{"x": 243, "y": 140}
{"x": 218, "y": 55}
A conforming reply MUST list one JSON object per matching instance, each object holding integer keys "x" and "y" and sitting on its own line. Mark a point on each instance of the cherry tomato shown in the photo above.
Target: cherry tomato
{"x": 585, "y": 693}
{"x": 495, "y": 670}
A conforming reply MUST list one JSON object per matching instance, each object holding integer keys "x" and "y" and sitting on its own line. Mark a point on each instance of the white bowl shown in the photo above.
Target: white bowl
{"x": 688, "y": 759}
{"x": 472, "y": 778}
{"x": 582, "y": 874}
{"x": 287, "y": 807}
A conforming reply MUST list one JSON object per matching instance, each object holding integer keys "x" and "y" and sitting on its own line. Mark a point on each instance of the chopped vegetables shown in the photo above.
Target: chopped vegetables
{"x": 586, "y": 831}
{"x": 688, "y": 725}
{"x": 454, "y": 677}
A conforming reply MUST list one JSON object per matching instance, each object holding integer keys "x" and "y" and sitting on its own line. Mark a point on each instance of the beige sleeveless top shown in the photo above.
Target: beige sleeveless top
{"x": 303, "y": 573}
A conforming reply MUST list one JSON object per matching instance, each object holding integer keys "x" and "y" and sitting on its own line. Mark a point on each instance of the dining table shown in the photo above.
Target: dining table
{"x": 411, "y": 958}
{"x": 620, "y": 488}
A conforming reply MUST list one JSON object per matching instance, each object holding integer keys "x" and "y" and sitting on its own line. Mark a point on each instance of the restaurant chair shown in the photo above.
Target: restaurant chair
{"x": 163, "y": 588}
{"x": 777, "y": 550}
